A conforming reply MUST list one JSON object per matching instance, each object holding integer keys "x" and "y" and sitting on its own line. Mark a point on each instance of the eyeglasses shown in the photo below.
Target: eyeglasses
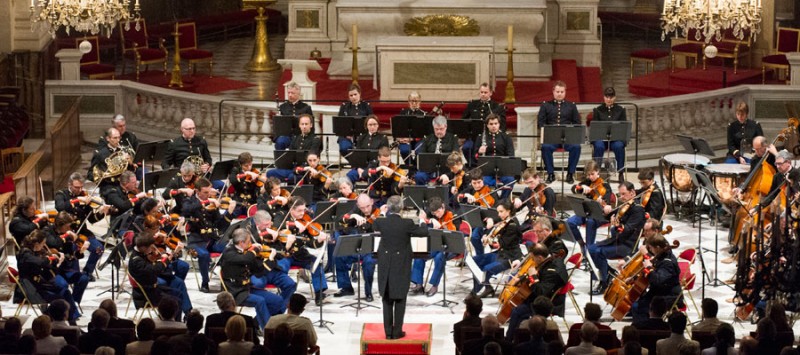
{"x": 781, "y": 163}
{"x": 189, "y": 128}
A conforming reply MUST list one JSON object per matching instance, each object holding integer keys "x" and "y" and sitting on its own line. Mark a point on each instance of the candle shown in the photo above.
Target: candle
{"x": 355, "y": 36}
{"x": 510, "y": 37}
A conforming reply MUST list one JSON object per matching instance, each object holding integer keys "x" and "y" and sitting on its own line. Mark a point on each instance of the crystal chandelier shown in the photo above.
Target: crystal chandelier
{"x": 711, "y": 18}
{"x": 86, "y": 16}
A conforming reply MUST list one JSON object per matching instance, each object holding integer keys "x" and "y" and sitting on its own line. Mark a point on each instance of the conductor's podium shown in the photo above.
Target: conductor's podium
{"x": 416, "y": 341}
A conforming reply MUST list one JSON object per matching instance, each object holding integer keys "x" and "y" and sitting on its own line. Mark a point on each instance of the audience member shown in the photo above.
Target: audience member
{"x": 492, "y": 348}
{"x": 201, "y": 345}
{"x": 144, "y": 332}
{"x": 777, "y": 312}
{"x": 104, "y": 350}
{"x": 58, "y": 310}
{"x": 26, "y": 345}
{"x": 46, "y": 343}
{"x": 710, "y": 321}
{"x": 259, "y": 349}
{"x": 160, "y": 346}
{"x": 98, "y": 336}
{"x": 748, "y": 346}
{"x": 591, "y": 313}
{"x": 12, "y": 330}
{"x": 632, "y": 348}
{"x": 182, "y": 344}
{"x": 630, "y": 335}
{"x": 282, "y": 341}
{"x": 555, "y": 347}
{"x": 227, "y": 307}
{"x": 588, "y": 336}
{"x": 471, "y": 318}
{"x": 766, "y": 335}
{"x": 658, "y": 306}
{"x": 537, "y": 326}
{"x": 726, "y": 338}
{"x": 167, "y": 310}
{"x": 688, "y": 348}
{"x": 115, "y": 322}
{"x": 297, "y": 304}
{"x": 70, "y": 350}
{"x": 235, "y": 345}
{"x": 543, "y": 306}
{"x": 677, "y": 326}
{"x": 489, "y": 327}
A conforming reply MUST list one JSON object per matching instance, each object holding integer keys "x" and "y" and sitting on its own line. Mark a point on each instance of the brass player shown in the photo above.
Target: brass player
{"x": 150, "y": 270}
{"x": 188, "y": 144}
{"x": 246, "y": 182}
{"x": 181, "y": 186}
{"x": 293, "y": 106}
{"x": 358, "y": 221}
{"x": 98, "y": 165}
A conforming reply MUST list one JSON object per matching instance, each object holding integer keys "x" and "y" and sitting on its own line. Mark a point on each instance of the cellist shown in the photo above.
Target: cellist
{"x": 545, "y": 278}
{"x": 663, "y": 275}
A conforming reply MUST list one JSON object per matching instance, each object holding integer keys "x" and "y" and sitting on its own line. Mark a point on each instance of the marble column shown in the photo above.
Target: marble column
{"x": 70, "y": 60}
{"x": 794, "y": 67}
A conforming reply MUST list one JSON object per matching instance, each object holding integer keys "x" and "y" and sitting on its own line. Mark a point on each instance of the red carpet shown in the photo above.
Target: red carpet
{"x": 416, "y": 341}
{"x": 566, "y": 70}
{"x": 200, "y": 83}
{"x": 687, "y": 81}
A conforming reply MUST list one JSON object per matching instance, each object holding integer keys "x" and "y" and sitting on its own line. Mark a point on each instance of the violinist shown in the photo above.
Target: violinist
{"x": 240, "y": 263}
{"x": 304, "y": 233}
{"x": 306, "y": 140}
{"x": 663, "y": 274}
{"x": 292, "y": 107}
{"x": 353, "y": 108}
{"x": 344, "y": 190}
{"x": 544, "y": 278}
{"x": 98, "y": 163}
{"x": 25, "y": 219}
{"x": 370, "y": 140}
{"x": 274, "y": 199}
{"x": 610, "y": 111}
{"x": 413, "y": 109}
{"x": 163, "y": 241}
{"x": 204, "y": 222}
{"x": 627, "y": 222}
{"x": 477, "y": 194}
{"x": 441, "y": 218}
{"x": 385, "y": 177}
{"x": 651, "y": 196}
{"x": 558, "y": 112}
{"x": 180, "y": 186}
{"x": 246, "y": 182}
{"x": 537, "y": 196}
{"x": 505, "y": 237}
{"x": 595, "y": 188}
{"x": 314, "y": 174}
{"x": 456, "y": 178}
{"x": 740, "y": 135}
{"x": 440, "y": 142}
{"x": 150, "y": 270}
{"x": 358, "y": 221}
{"x": 61, "y": 239}
{"x": 124, "y": 196}
{"x": 495, "y": 143}
{"x": 37, "y": 265}
{"x": 84, "y": 209}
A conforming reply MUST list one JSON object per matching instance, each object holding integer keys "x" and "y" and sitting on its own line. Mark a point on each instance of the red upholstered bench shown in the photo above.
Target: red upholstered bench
{"x": 649, "y": 56}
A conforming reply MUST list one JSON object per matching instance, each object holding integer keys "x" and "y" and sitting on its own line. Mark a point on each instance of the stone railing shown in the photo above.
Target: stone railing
{"x": 236, "y": 126}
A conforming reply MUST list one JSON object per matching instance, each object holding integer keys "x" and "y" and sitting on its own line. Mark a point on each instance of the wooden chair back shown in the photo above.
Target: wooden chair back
{"x": 12, "y": 159}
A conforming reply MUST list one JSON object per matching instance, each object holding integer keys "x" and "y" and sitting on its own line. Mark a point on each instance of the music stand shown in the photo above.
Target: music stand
{"x": 358, "y": 245}
{"x": 409, "y": 126}
{"x": 159, "y": 179}
{"x": 563, "y": 134}
{"x": 116, "y": 257}
{"x": 446, "y": 241}
{"x": 610, "y": 131}
{"x": 285, "y": 126}
{"x": 288, "y": 159}
{"x": 501, "y": 166}
{"x": 701, "y": 180}
{"x": 344, "y": 126}
{"x": 432, "y": 163}
{"x": 474, "y": 215}
{"x": 151, "y": 151}
{"x": 360, "y": 158}
{"x": 695, "y": 146}
{"x": 421, "y": 195}
{"x": 304, "y": 191}
{"x": 222, "y": 169}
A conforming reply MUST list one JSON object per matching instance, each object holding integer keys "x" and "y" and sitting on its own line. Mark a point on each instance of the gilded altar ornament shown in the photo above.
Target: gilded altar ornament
{"x": 442, "y": 25}
{"x": 261, "y": 59}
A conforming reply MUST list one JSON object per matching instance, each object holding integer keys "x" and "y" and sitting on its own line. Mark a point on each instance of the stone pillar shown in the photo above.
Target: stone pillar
{"x": 794, "y": 67}
{"x": 300, "y": 68}
{"x": 577, "y": 32}
{"x": 70, "y": 60}
{"x": 308, "y": 29}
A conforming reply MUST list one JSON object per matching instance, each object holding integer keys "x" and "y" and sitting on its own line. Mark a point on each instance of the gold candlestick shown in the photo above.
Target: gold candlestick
{"x": 510, "y": 93}
{"x": 261, "y": 60}
{"x": 177, "y": 78}
{"x": 355, "y": 65}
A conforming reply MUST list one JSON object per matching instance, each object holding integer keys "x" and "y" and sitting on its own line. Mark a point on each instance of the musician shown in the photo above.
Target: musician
{"x": 204, "y": 223}
{"x": 741, "y": 132}
{"x": 413, "y": 109}
{"x": 504, "y": 238}
{"x": 627, "y": 222}
{"x": 785, "y": 170}
{"x": 456, "y": 178}
{"x": 188, "y": 144}
{"x": 303, "y": 235}
{"x": 593, "y": 187}
{"x": 180, "y": 186}
{"x": 98, "y": 166}
{"x": 371, "y": 140}
{"x": 274, "y": 199}
{"x": 314, "y": 174}
{"x": 359, "y": 221}
{"x": 153, "y": 226}
{"x": 124, "y": 196}
{"x": 75, "y": 201}
{"x": 651, "y": 196}
{"x": 344, "y": 190}
{"x": 610, "y": 111}
{"x": 481, "y": 195}
{"x": 441, "y": 218}
{"x": 544, "y": 278}
{"x": 480, "y": 109}
{"x": 37, "y": 265}
{"x": 559, "y": 112}
{"x": 293, "y": 106}
{"x": 495, "y": 143}
{"x": 663, "y": 275}
{"x": 306, "y": 140}
{"x": 353, "y": 108}
{"x": 544, "y": 232}
{"x": 384, "y": 177}
{"x": 439, "y": 142}
{"x": 25, "y": 220}
{"x": 246, "y": 182}
{"x": 239, "y": 263}
{"x": 394, "y": 264}
{"x": 127, "y": 138}
{"x": 150, "y": 270}
{"x": 538, "y": 197}
{"x": 61, "y": 239}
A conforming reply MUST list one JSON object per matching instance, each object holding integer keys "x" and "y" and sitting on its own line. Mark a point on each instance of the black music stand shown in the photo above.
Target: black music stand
{"x": 288, "y": 159}
{"x": 115, "y": 258}
{"x": 344, "y": 126}
{"x": 446, "y": 241}
{"x": 304, "y": 191}
{"x": 151, "y": 151}
{"x": 586, "y": 208}
{"x": 409, "y": 126}
{"x": 433, "y": 163}
{"x": 421, "y": 195}
{"x": 704, "y": 183}
{"x": 344, "y": 208}
{"x": 360, "y": 158}
{"x": 474, "y": 215}
{"x": 358, "y": 245}
{"x": 159, "y": 179}
{"x": 610, "y": 131}
{"x": 285, "y": 126}
{"x": 222, "y": 169}
{"x": 502, "y": 166}
{"x": 563, "y": 134}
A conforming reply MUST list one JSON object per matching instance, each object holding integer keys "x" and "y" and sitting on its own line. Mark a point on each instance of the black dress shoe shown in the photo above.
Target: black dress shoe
{"x": 399, "y": 335}
{"x": 344, "y": 292}
{"x": 91, "y": 277}
{"x": 369, "y": 297}
{"x": 204, "y": 288}
{"x": 318, "y": 298}
{"x": 389, "y": 336}
{"x": 487, "y": 292}
{"x": 550, "y": 178}
{"x": 569, "y": 179}
{"x": 599, "y": 290}
{"x": 416, "y": 290}
{"x": 432, "y": 291}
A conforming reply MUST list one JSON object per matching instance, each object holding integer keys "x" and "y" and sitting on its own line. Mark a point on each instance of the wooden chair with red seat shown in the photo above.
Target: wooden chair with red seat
{"x": 788, "y": 41}
{"x": 135, "y": 47}
{"x": 137, "y": 303}
{"x": 27, "y": 290}
{"x": 573, "y": 263}
{"x": 693, "y": 48}
{"x": 90, "y": 62}
{"x": 11, "y": 159}
{"x": 687, "y": 277}
{"x": 732, "y": 48}
{"x": 189, "y": 50}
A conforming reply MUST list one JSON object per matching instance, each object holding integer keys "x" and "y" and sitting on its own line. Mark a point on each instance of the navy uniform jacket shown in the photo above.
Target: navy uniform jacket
{"x": 664, "y": 279}
{"x": 552, "y": 276}
{"x": 479, "y": 110}
{"x": 359, "y": 110}
{"x": 742, "y": 131}
{"x": 509, "y": 239}
{"x": 119, "y": 200}
{"x": 497, "y": 144}
{"x": 295, "y": 109}
{"x": 244, "y": 191}
{"x": 309, "y": 142}
{"x": 394, "y": 254}
{"x": 146, "y": 273}
{"x": 632, "y": 223}
{"x": 609, "y": 113}
{"x": 449, "y": 143}
{"x": 237, "y": 267}
{"x": 21, "y": 225}
{"x": 170, "y": 192}
{"x": 558, "y": 113}
{"x": 371, "y": 141}
{"x": 180, "y": 148}
{"x": 203, "y": 225}
{"x": 127, "y": 139}
{"x": 99, "y": 160}
{"x": 38, "y": 269}
{"x": 63, "y": 199}
{"x": 549, "y": 200}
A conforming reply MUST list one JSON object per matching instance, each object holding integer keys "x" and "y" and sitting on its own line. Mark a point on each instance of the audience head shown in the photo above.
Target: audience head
{"x": 492, "y": 348}
{"x": 58, "y": 310}
{"x": 235, "y": 328}
{"x": 592, "y": 312}
{"x": 765, "y": 330}
{"x": 630, "y": 334}
{"x": 70, "y": 350}
{"x": 537, "y": 325}
{"x": 144, "y": 330}
{"x": 26, "y": 345}
{"x": 710, "y": 308}
{"x": 160, "y": 346}
{"x": 168, "y": 308}
{"x": 688, "y": 348}
{"x": 297, "y": 303}
{"x": 542, "y": 306}
{"x": 632, "y": 348}
{"x": 104, "y": 350}
{"x": 489, "y": 325}
{"x": 100, "y": 319}
{"x": 194, "y": 321}
{"x": 41, "y": 327}
{"x": 677, "y": 322}
{"x": 589, "y": 332}
{"x": 199, "y": 344}
{"x": 474, "y": 305}
{"x": 748, "y": 346}
{"x": 109, "y": 306}
{"x": 725, "y": 336}
{"x": 13, "y": 327}
{"x": 225, "y": 301}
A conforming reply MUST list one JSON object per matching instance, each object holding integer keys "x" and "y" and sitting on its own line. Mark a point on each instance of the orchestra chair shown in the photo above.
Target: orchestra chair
{"x": 470, "y": 333}
{"x": 30, "y": 296}
{"x": 146, "y": 306}
{"x": 573, "y": 263}
{"x": 188, "y": 48}
{"x": 648, "y": 338}
{"x": 135, "y": 47}
{"x": 692, "y": 48}
{"x": 225, "y": 288}
{"x": 298, "y": 269}
{"x": 788, "y": 41}
{"x": 705, "y": 338}
{"x": 12, "y": 159}
{"x": 90, "y": 62}
{"x": 299, "y": 341}
{"x": 194, "y": 264}
{"x": 687, "y": 278}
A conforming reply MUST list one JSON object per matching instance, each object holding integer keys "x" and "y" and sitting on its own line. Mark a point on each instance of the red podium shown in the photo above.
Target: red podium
{"x": 417, "y": 340}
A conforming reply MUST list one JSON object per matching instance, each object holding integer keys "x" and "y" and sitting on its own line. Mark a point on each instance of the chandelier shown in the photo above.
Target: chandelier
{"x": 86, "y": 16}
{"x": 711, "y": 18}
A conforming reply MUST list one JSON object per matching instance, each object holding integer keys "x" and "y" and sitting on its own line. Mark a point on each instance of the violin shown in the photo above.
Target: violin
{"x": 598, "y": 190}
{"x": 171, "y": 242}
{"x": 283, "y": 193}
{"x": 458, "y": 179}
{"x": 447, "y": 221}
{"x": 210, "y": 206}
{"x": 539, "y": 198}
{"x": 153, "y": 254}
{"x": 249, "y": 178}
{"x": 51, "y": 217}
{"x": 482, "y": 196}
{"x": 396, "y": 174}
{"x": 323, "y": 174}
{"x": 265, "y": 251}
{"x": 647, "y": 193}
{"x": 491, "y": 241}
{"x": 313, "y": 228}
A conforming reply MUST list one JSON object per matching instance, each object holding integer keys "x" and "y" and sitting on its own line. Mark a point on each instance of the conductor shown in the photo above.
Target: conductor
{"x": 394, "y": 258}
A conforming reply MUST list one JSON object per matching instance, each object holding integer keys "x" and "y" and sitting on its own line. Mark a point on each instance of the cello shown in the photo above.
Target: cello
{"x": 515, "y": 293}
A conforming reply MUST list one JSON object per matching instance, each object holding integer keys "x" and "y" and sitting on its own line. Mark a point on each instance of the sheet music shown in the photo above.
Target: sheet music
{"x": 418, "y": 244}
